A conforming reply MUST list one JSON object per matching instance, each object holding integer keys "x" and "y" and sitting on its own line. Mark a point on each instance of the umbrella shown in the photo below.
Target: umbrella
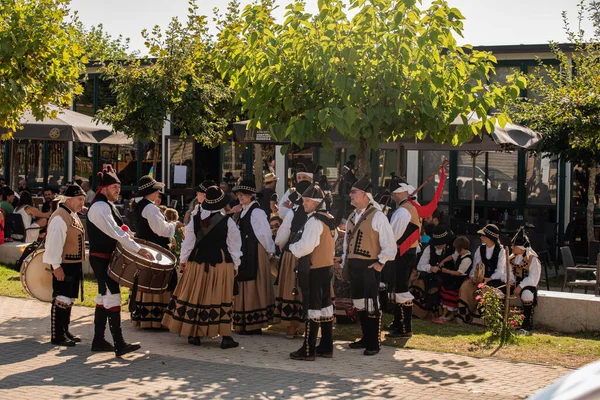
{"x": 511, "y": 137}
{"x": 69, "y": 126}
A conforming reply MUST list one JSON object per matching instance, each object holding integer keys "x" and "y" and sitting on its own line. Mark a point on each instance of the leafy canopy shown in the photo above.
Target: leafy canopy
{"x": 392, "y": 70}
{"x": 39, "y": 63}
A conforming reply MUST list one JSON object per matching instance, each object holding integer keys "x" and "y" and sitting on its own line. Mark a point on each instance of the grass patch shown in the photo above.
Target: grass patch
{"x": 10, "y": 285}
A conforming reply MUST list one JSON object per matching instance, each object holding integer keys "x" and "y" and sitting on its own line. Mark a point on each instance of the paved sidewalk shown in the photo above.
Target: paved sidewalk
{"x": 169, "y": 368}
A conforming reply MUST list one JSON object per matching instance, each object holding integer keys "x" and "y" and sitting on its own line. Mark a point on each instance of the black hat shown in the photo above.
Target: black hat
{"x": 148, "y": 185}
{"x": 296, "y": 192}
{"x": 73, "y": 190}
{"x": 521, "y": 239}
{"x": 363, "y": 184}
{"x": 205, "y": 185}
{"x": 314, "y": 192}
{"x": 441, "y": 235}
{"x": 399, "y": 185}
{"x": 108, "y": 176}
{"x": 490, "y": 231}
{"x": 306, "y": 167}
{"x": 215, "y": 199}
{"x": 246, "y": 186}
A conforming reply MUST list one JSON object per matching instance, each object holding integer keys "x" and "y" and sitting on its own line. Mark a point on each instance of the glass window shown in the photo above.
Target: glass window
{"x": 503, "y": 72}
{"x": 580, "y": 186}
{"x": 148, "y": 150}
{"x": 126, "y": 164}
{"x": 330, "y": 160}
{"x": 56, "y": 164}
{"x": 83, "y": 162}
{"x": 389, "y": 162}
{"x": 464, "y": 177}
{"x": 105, "y": 95}
{"x": 540, "y": 180}
{"x": 502, "y": 176}
{"x": 544, "y": 73}
{"x": 85, "y": 101}
{"x": 430, "y": 162}
{"x": 234, "y": 162}
{"x": 2, "y": 160}
{"x": 30, "y": 162}
{"x": 181, "y": 161}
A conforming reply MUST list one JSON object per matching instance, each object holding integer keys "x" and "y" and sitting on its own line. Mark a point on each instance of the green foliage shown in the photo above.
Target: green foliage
{"x": 39, "y": 63}
{"x": 491, "y": 306}
{"x": 179, "y": 84}
{"x": 393, "y": 70}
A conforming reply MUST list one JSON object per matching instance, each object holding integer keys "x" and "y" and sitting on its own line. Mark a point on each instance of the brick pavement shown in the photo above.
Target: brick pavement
{"x": 169, "y": 368}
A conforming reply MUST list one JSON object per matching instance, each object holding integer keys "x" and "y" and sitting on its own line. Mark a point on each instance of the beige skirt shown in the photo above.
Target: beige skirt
{"x": 467, "y": 304}
{"x": 288, "y": 308}
{"x": 202, "y": 302}
{"x": 255, "y": 302}
{"x": 150, "y": 309}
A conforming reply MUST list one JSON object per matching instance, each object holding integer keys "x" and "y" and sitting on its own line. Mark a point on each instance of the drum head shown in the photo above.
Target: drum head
{"x": 36, "y": 277}
{"x": 161, "y": 256}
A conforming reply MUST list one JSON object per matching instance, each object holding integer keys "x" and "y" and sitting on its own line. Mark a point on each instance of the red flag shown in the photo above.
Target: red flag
{"x": 427, "y": 211}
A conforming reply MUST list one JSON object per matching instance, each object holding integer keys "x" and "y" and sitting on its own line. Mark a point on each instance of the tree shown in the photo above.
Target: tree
{"x": 180, "y": 85}
{"x": 391, "y": 71}
{"x": 39, "y": 64}
{"x": 566, "y": 105}
{"x": 98, "y": 45}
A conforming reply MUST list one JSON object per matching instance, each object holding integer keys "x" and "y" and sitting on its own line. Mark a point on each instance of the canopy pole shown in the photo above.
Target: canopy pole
{"x": 473, "y": 158}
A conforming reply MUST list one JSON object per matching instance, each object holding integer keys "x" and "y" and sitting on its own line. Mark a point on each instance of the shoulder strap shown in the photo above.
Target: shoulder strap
{"x": 202, "y": 232}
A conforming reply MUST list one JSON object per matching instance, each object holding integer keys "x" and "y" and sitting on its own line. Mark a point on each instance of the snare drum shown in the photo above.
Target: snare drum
{"x": 153, "y": 276}
{"x": 36, "y": 277}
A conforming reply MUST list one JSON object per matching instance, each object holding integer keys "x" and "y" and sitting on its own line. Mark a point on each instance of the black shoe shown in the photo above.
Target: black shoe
{"x": 301, "y": 356}
{"x": 360, "y": 344}
{"x": 370, "y": 352}
{"x": 194, "y": 341}
{"x": 125, "y": 348}
{"x": 228, "y": 343}
{"x": 72, "y": 337}
{"x": 64, "y": 343}
{"x": 102, "y": 345}
{"x": 251, "y": 332}
{"x": 324, "y": 354}
{"x": 399, "y": 334}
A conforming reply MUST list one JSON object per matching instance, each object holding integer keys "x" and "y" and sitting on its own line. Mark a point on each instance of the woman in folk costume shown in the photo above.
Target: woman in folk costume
{"x": 527, "y": 271}
{"x": 288, "y": 302}
{"x": 200, "y": 196}
{"x": 210, "y": 255}
{"x": 152, "y": 226}
{"x": 426, "y": 288}
{"x": 254, "y": 303}
{"x": 489, "y": 267}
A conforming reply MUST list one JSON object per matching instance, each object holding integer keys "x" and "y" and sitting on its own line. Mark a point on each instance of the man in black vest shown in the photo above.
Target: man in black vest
{"x": 105, "y": 228}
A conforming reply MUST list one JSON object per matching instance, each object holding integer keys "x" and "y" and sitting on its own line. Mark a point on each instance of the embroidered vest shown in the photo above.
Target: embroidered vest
{"x": 322, "y": 256}
{"x": 74, "y": 247}
{"x": 364, "y": 244}
{"x": 521, "y": 270}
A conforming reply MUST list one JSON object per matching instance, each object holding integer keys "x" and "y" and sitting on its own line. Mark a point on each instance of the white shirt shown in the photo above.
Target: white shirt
{"x": 233, "y": 241}
{"x": 260, "y": 226}
{"x": 464, "y": 264}
{"x": 311, "y": 238}
{"x": 283, "y": 210}
{"x": 100, "y": 214}
{"x": 285, "y": 230}
{"x": 500, "y": 272}
{"x": 423, "y": 264}
{"x": 157, "y": 221}
{"x": 27, "y": 219}
{"x": 56, "y": 237}
{"x": 381, "y": 225}
{"x": 400, "y": 220}
{"x": 535, "y": 269}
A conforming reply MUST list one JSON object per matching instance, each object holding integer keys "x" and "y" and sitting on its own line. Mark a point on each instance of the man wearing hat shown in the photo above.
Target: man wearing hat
{"x": 368, "y": 245}
{"x": 489, "y": 262}
{"x": 210, "y": 256}
{"x": 267, "y": 197}
{"x": 317, "y": 245}
{"x": 304, "y": 172}
{"x": 288, "y": 302}
{"x": 65, "y": 251}
{"x": 427, "y": 286}
{"x": 527, "y": 271}
{"x": 406, "y": 226}
{"x": 105, "y": 229}
{"x": 255, "y": 302}
{"x": 151, "y": 225}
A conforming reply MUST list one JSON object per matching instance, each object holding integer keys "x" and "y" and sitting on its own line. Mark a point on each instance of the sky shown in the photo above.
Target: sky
{"x": 487, "y": 22}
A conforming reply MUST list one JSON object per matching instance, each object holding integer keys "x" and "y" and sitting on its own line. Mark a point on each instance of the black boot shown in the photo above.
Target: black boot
{"x": 68, "y": 334}
{"x": 228, "y": 343}
{"x": 325, "y": 347}
{"x": 528, "y": 314}
{"x": 361, "y": 344}
{"x": 374, "y": 334}
{"x": 396, "y": 322}
{"x": 58, "y": 318}
{"x": 404, "y": 330}
{"x": 307, "y": 351}
{"x": 99, "y": 343}
{"x": 194, "y": 340}
{"x": 121, "y": 347}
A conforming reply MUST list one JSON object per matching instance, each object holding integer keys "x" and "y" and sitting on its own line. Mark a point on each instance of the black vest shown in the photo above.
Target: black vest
{"x": 264, "y": 199}
{"x": 213, "y": 245}
{"x": 298, "y": 222}
{"x": 460, "y": 259}
{"x": 434, "y": 259}
{"x": 492, "y": 263}
{"x": 100, "y": 242}
{"x": 143, "y": 229}
{"x": 248, "y": 269}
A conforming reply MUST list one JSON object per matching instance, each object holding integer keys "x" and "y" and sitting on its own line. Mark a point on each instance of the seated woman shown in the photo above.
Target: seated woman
{"x": 527, "y": 270}
{"x": 32, "y": 217}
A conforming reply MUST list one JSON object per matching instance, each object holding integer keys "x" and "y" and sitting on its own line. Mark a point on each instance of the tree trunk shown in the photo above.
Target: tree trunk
{"x": 14, "y": 176}
{"x": 361, "y": 159}
{"x": 590, "y": 202}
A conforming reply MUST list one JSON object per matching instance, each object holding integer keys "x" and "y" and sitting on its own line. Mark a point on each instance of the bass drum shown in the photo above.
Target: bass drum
{"x": 36, "y": 277}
